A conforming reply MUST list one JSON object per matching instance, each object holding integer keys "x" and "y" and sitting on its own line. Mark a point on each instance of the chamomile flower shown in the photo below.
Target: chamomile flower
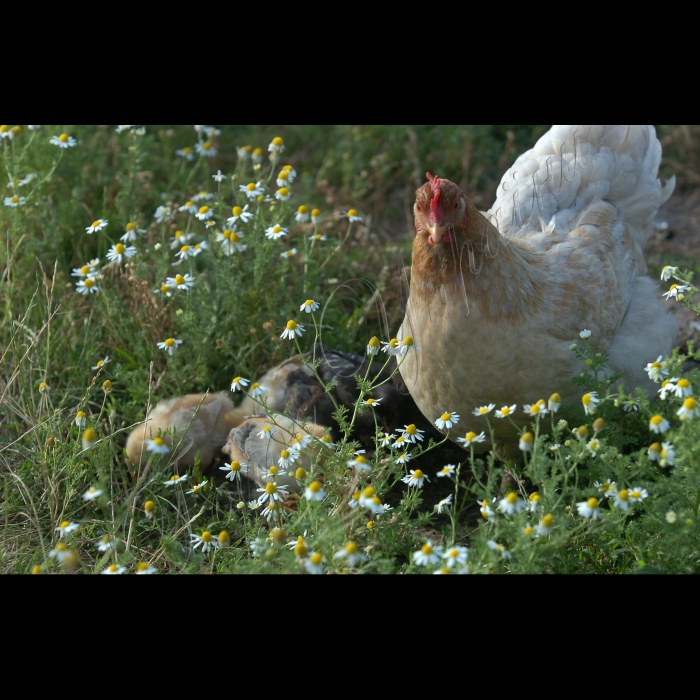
{"x": 187, "y": 251}
{"x": 415, "y": 478}
{"x": 130, "y": 234}
{"x": 393, "y": 347}
{"x": 256, "y": 389}
{"x": 206, "y": 540}
{"x": 471, "y": 437}
{"x": 63, "y": 141}
{"x": 589, "y": 508}
{"x": 292, "y": 330}
{"x": 158, "y": 446}
{"x": 219, "y": 177}
{"x": 534, "y": 500}
{"x": 276, "y": 145}
{"x": 87, "y": 286}
{"x": 447, "y": 420}
{"x": 234, "y": 469}
{"x": 505, "y": 411}
{"x": 80, "y": 419}
{"x": 302, "y": 215}
{"x": 385, "y": 439}
{"x": 447, "y": 470}
{"x": 185, "y": 153}
{"x": 189, "y": 207}
{"x": 272, "y": 492}
{"x": 288, "y": 253}
{"x": 654, "y": 451}
{"x": 689, "y": 409}
{"x": 239, "y": 383}
{"x": 373, "y": 346}
{"x": 676, "y": 291}
{"x": 102, "y": 363}
{"x": 428, "y": 554}
{"x": 114, "y": 569}
{"x": 239, "y": 213}
{"x": 309, "y": 305}
{"x": 667, "y": 455}
{"x": 512, "y": 503}
{"x": 351, "y": 554}
{"x": 526, "y": 441}
{"x": 283, "y": 194}
{"x": 89, "y": 438}
{"x": 199, "y": 247}
{"x": 412, "y": 434}
{"x": 315, "y": 216}
{"x": 252, "y": 190}
{"x": 536, "y": 409}
{"x": 442, "y": 505}
{"x": 205, "y": 148}
{"x": 163, "y": 214}
{"x": 372, "y": 403}
{"x": 267, "y": 432}
{"x": 621, "y": 499}
{"x": 287, "y": 458}
{"x": 505, "y": 554}
{"x": 593, "y": 446}
{"x": 179, "y": 239}
{"x": 119, "y": 252}
{"x": 15, "y": 201}
{"x": 656, "y": 369}
{"x": 314, "y": 492}
{"x": 204, "y": 212}
{"x": 203, "y": 196}
{"x": 671, "y": 517}
{"x": 455, "y": 555}
{"x": 352, "y": 215}
{"x": 106, "y": 542}
{"x": 175, "y": 479}
{"x": 658, "y": 424}
{"x": 590, "y": 401}
{"x": 483, "y": 410}
{"x": 406, "y": 344}
{"x": 668, "y": 272}
{"x": 554, "y": 402}
{"x": 485, "y": 509}
{"x": 404, "y": 458}
{"x": 142, "y": 568}
{"x": 92, "y": 493}
{"x": 546, "y": 525}
{"x": 183, "y": 282}
{"x": 638, "y": 494}
{"x": 198, "y": 487}
{"x": 169, "y": 345}
{"x": 359, "y": 463}
{"x": 585, "y": 333}
{"x": 65, "y": 528}
{"x": 97, "y": 225}
{"x": 315, "y": 563}
{"x": 275, "y": 232}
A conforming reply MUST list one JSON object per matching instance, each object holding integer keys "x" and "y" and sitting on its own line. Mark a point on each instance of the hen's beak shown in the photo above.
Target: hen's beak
{"x": 439, "y": 234}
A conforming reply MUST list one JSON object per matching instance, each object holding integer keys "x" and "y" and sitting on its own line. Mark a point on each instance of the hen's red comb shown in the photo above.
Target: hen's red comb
{"x": 435, "y": 188}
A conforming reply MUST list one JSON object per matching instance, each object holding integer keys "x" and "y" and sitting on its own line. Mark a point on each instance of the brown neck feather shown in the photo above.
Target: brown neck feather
{"x": 501, "y": 276}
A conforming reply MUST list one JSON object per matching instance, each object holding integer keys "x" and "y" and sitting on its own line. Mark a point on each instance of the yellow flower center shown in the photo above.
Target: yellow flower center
{"x": 90, "y": 435}
{"x": 233, "y": 237}
{"x": 270, "y": 489}
{"x": 64, "y": 524}
{"x": 534, "y": 497}
{"x": 63, "y": 138}
{"x": 527, "y": 437}
{"x": 635, "y": 494}
{"x": 657, "y": 365}
{"x": 224, "y": 537}
{"x": 548, "y": 520}
{"x": 89, "y": 283}
{"x": 314, "y": 486}
{"x": 179, "y": 279}
{"x": 250, "y": 186}
{"x": 4, "y": 128}
{"x": 14, "y": 199}
{"x": 142, "y": 566}
{"x": 582, "y": 431}
{"x": 592, "y": 502}
{"x": 204, "y": 209}
{"x": 393, "y": 343}
{"x": 149, "y": 506}
{"x": 360, "y": 459}
{"x": 164, "y": 288}
{"x": 469, "y": 436}
{"x": 352, "y": 212}
{"x": 623, "y": 495}
{"x": 317, "y": 558}
{"x": 283, "y": 191}
{"x": 113, "y": 569}
{"x": 159, "y": 441}
{"x": 300, "y": 549}
{"x": 284, "y": 454}
{"x": 257, "y": 152}
{"x": 184, "y": 248}
{"x": 445, "y": 416}
{"x": 315, "y": 212}
{"x": 512, "y": 498}
{"x": 283, "y": 175}
{"x": 505, "y": 410}
{"x": 303, "y": 209}
{"x": 206, "y": 145}
{"x": 426, "y": 549}
{"x": 370, "y": 401}
{"x": 690, "y": 404}
{"x": 351, "y": 548}
{"x": 277, "y": 141}
{"x": 119, "y": 249}
{"x": 207, "y": 536}
{"x": 236, "y": 211}
{"x": 80, "y": 414}
{"x": 683, "y": 383}
{"x": 418, "y": 474}
{"x": 411, "y": 429}
{"x": 368, "y": 492}
{"x": 586, "y": 399}
{"x": 528, "y": 530}
{"x": 235, "y": 466}
{"x": 169, "y": 342}
{"x": 373, "y": 342}
{"x": 656, "y": 420}
{"x": 291, "y": 325}
{"x": 655, "y": 447}
{"x": 300, "y": 473}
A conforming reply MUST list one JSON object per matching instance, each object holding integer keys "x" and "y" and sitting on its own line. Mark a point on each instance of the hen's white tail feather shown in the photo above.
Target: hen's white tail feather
{"x": 571, "y": 166}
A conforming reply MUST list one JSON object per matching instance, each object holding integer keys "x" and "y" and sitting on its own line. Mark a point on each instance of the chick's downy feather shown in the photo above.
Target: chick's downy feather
{"x": 497, "y": 299}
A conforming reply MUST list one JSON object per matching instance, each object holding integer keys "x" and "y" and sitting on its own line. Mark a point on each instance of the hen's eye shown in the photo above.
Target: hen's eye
{"x": 418, "y": 207}
{"x": 456, "y": 205}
